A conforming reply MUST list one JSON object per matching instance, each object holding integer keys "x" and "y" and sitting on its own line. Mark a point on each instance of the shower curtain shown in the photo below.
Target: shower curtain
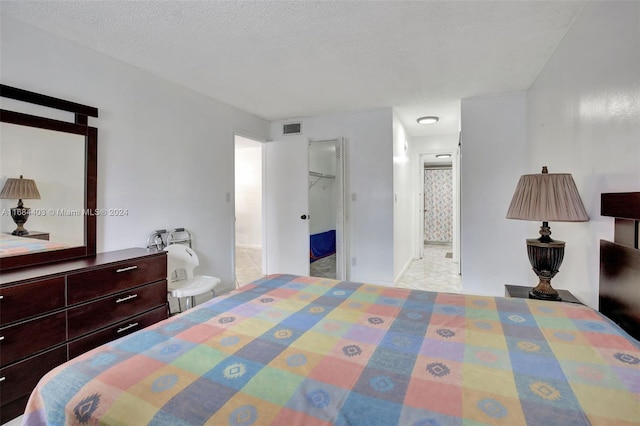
{"x": 438, "y": 205}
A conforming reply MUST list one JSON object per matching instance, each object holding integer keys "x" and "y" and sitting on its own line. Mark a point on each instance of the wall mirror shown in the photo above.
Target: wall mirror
{"x": 47, "y": 140}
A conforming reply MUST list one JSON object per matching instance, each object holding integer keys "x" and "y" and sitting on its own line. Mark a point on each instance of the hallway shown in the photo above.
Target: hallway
{"x": 434, "y": 272}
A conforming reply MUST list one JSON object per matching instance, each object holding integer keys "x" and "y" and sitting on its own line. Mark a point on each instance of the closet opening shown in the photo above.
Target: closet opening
{"x": 248, "y": 252}
{"x": 326, "y": 209}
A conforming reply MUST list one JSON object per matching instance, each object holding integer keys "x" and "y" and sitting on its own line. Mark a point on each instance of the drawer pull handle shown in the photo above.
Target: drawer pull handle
{"x": 1, "y": 297}
{"x": 124, "y": 299}
{"x": 2, "y": 379}
{"x": 1, "y": 338}
{"x": 128, "y": 268}
{"x": 120, "y": 330}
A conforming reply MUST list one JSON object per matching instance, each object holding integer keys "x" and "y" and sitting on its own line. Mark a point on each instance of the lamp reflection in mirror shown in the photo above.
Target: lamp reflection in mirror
{"x": 546, "y": 197}
{"x": 20, "y": 189}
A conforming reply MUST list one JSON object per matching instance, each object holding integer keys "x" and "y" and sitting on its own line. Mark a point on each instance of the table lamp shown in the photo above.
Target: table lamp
{"x": 546, "y": 197}
{"x": 20, "y": 189}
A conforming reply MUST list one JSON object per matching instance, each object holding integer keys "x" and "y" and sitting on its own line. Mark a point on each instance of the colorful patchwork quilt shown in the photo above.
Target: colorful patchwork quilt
{"x": 11, "y": 245}
{"x": 290, "y": 350}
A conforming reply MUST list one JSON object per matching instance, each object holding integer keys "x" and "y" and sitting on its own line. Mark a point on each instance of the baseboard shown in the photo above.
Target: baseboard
{"x": 249, "y": 246}
{"x": 402, "y": 271}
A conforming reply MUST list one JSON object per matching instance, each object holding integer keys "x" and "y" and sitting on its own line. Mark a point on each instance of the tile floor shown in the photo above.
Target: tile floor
{"x": 434, "y": 272}
{"x": 248, "y": 265}
{"x": 324, "y": 268}
{"x": 15, "y": 422}
{"x": 249, "y": 261}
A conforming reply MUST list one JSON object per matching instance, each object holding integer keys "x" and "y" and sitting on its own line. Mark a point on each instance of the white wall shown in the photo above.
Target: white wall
{"x": 164, "y": 152}
{"x": 583, "y": 114}
{"x": 436, "y": 144}
{"x": 248, "y": 193}
{"x": 493, "y": 159}
{"x": 369, "y": 186}
{"x": 403, "y": 201}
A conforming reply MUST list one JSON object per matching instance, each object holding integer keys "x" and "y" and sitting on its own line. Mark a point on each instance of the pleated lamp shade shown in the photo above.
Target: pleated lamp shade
{"x": 547, "y": 197}
{"x": 20, "y": 189}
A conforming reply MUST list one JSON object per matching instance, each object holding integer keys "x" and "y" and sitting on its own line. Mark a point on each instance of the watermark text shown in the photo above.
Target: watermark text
{"x": 68, "y": 212}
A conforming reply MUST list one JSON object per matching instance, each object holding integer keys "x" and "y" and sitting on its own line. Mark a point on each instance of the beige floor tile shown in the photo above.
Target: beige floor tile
{"x": 434, "y": 272}
{"x": 248, "y": 265}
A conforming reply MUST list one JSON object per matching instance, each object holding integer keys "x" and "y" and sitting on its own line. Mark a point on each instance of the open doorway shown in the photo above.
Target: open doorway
{"x": 438, "y": 209}
{"x": 326, "y": 201}
{"x": 440, "y": 203}
{"x": 248, "y": 210}
{"x": 296, "y": 170}
{"x": 436, "y": 266}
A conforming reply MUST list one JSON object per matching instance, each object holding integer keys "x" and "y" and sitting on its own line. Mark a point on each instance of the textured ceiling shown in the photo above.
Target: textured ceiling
{"x": 280, "y": 59}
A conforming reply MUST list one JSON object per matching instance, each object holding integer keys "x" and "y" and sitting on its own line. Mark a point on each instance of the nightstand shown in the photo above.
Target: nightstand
{"x": 36, "y": 235}
{"x": 522, "y": 292}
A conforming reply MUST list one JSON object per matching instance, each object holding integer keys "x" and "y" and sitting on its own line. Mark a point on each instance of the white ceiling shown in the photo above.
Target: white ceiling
{"x": 284, "y": 59}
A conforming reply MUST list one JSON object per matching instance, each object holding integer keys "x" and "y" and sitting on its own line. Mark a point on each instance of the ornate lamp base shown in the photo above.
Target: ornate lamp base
{"x": 545, "y": 256}
{"x": 20, "y": 215}
{"x": 535, "y": 293}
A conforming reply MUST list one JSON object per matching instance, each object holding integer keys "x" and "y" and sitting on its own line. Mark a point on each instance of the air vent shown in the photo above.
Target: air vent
{"x": 292, "y": 129}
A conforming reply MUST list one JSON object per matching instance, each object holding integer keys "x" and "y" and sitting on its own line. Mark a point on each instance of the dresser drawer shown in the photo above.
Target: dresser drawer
{"x": 27, "y": 300}
{"x": 19, "y": 380}
{"x": 21, "y": 340}
{"x": 115, "y": 331}
{"x": 110, "y": 310}
{"x": 115, "y": 277}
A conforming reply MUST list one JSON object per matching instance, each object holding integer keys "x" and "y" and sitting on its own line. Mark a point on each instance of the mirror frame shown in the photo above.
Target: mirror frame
{"x": 79, "y": 127}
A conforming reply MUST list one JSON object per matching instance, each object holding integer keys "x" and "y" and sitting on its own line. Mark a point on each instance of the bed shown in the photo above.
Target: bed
{"x": 11, "y": 245}
{"x": 294, "y": 350}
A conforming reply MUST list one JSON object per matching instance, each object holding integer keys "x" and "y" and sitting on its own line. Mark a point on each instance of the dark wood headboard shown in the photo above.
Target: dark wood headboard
{"x": 620, "y": 262}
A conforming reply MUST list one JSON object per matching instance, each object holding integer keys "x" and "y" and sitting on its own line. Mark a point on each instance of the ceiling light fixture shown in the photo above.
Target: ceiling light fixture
{"x": 443, "y": 155}
{"x": 428, "y": 120}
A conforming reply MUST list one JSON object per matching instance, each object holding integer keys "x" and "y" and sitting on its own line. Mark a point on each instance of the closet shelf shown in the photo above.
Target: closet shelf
{"x": 321, "y": 175}
{"x": 318, "y": 176}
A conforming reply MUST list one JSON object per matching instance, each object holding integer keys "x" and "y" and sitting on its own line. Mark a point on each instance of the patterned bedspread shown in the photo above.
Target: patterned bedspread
{"x": 290, "y": 350}
{"x": 11, "y": 245}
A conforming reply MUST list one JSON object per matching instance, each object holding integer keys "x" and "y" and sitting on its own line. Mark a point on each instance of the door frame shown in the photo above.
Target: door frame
{"x": 232, "y": 199}
{"x": 343, "y": 219}
{"x": 342, "y": 266}
{"x": 429, "y": 157}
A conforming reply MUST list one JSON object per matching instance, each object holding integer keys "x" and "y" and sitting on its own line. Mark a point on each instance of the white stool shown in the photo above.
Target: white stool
{"x": 183, "y": 258}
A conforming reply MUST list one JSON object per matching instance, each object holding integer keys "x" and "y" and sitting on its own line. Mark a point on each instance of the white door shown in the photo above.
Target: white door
{"x": 287, "y": 206}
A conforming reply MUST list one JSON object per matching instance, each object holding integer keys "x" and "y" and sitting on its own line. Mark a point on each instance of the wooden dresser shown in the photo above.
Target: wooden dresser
{"x": 52, "y": 313}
